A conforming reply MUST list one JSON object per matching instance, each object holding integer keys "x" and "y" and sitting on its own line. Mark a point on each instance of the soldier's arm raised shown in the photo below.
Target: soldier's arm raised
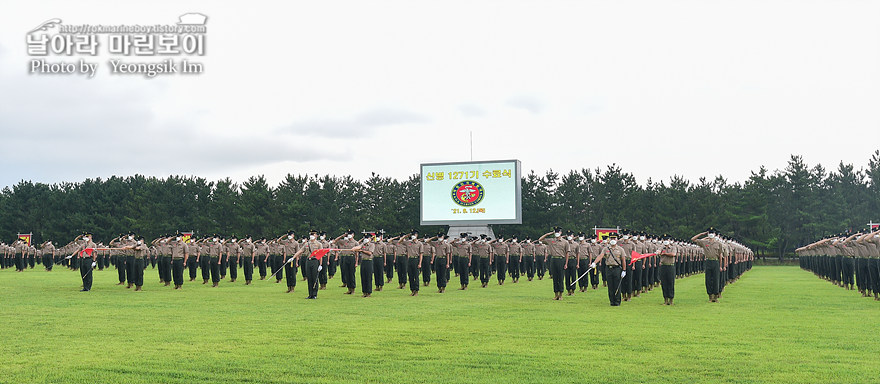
{"x": 544, "y": 236}
{"x": 699, "y": 235}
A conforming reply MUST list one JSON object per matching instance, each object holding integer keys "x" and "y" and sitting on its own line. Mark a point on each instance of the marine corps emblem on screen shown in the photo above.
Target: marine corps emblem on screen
{"x": 467, "y": 193}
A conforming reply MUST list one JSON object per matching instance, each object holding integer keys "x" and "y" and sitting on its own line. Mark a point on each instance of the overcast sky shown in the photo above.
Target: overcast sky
{"x": 696, "y": 88}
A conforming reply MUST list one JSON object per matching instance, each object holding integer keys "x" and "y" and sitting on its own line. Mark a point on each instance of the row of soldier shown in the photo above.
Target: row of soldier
{"x": 851, "y": 261}
{"x": 413, "y": 258}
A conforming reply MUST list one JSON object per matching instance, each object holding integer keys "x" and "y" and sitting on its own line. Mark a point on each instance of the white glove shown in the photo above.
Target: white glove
{"x": 289, "y": 260}
{"x": 68, "y": 257}
{"x": 94, "y": 264}
{"x": 320, "y": 267}
{"x": 622, "y": 274}
{"x": 593, "y": 265}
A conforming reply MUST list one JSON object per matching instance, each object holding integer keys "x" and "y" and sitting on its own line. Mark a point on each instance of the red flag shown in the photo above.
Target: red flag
{"x": 319, "y": 253}
{"x": 26, "y": 237}
{"x": 639, "y": 256}
{"x": 89, "y": 251}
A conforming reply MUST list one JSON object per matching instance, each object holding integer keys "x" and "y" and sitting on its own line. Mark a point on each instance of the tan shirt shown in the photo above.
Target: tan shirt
{"x": 712, "y": 248}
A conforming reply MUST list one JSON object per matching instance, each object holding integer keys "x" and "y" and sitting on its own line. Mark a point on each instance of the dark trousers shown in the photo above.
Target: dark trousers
{"x": 347, "y": 267}
{"x": 330, "y": 267}
{"x": 277, "y": 265}
{"x": 571, "y": 273}
{"x": 379, "y": 270}
{"x": 463, "y": 266}
{"x": 193, "y": 267}
{"x": 261, "y": 264}
{"x": 177, "y": 271}
{"x": 303, "y": 260}
{"x": 441, "y": 272}
{"x": 426, "y": 269}
{"x": 366, "y": 276}
{"x": 247, "y": 266}
{"x": 540, "y": 268}
{"x": 637, "y": 275}
{"x": 165, "y": 268}
{"x": 215, "y": 270}
{"x": 667, "y": 281}
{"x": 713, "y": 273}
{"x": 389, "y": 267}
{"x": 612, "y": 276}
{"x": 874, "y": 271}
{"x": 626, "y": 287}
{"x": 322, "y": 274}
{"x": 529, "y": 266}
{"x": 474, "y": 270}
{"x": 501, "y": 267}
{"x": 139, "y": 265}
{"x": 233, "y": 269}
{"x": 583, "y": 266}
{"x": 311, "y": 275}
{"x": 861, "y": 273}
{"x": 594, "y": 277}
{"x": 401, "y": 269}
{"x": 514, "y": 267}
{"x": 205, "y": 266}
{"x": 289, "y": 270}
{"x": 484, "y": 270}
{"x": 129, "y": 267}
{"x": 121, "y": 269}
{"x": 85, "y": 269}
{"x": 47, "y": 262}
{"x": 413, "y": 271}
{"x": 19, "y": 262}
{"x": 557, "y": 270}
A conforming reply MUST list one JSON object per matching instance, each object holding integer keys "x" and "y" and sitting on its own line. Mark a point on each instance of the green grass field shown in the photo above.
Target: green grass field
{"x": 776, "y": 325}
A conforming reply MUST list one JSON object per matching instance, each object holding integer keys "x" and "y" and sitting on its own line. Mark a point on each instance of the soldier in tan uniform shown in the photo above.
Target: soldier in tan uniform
{"x": 463, "y": 248}
{"x": 248, "y": 254}
{"x": 584, "y": 258}
{"x": 400, "y": 259}
{"x": 501, "y": 250}
{"x": 667, "y": 253}
{"x": 515, "y": 258}
{"x": 614, "y": 257}
{"x": 289, "y": 248}
{"x": 558, "y": 252}
{"x": 482, "y": 250}
{"x": 414, "y": 253}
{"x": 713, "y": 251}
{"x": 379, "y": 260}
{"x": 87, "y": 262}
{"x": 48, "y": 255}
{"x": 528, "y": 258}
{"x": 595, "y": 250}
{"x": 179, "y": 253}
{"x": 346, "y": 260}
{"x": 628, "y": 245}
{"x": 364, "y": 258}
{"x": 232, "y": 254}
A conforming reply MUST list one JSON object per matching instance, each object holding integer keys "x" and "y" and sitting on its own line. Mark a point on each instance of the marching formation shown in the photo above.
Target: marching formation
{"x": 847, "y": 260}
{"x": 628, "y": 263}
